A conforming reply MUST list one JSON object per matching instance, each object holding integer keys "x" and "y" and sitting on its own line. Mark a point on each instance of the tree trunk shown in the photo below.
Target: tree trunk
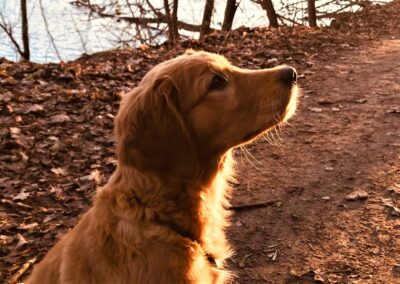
{"x": 312, "y": 15}
{"x": 230, "y": 11}
{"x": 269, "y": 7}
{"x": 25, "y": 33}
{"x": 175, "y": 19}
{"x": 205, "y": 25}
{"x": 173, "y": 35}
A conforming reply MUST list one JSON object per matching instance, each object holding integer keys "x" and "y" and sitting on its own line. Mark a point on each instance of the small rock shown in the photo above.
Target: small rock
{"x": 361, "y": 101}
{"x": 393, "y": 111}
{"x": 315, "y": 109}
{"x": 357, "y": 195}
{"x": 329, "y": 169}
{"x": 327, "y": 198}
{"x": 325, "y": 102}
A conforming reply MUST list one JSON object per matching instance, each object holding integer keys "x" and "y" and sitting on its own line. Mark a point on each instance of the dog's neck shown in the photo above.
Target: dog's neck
{"x": 186, "y": 207}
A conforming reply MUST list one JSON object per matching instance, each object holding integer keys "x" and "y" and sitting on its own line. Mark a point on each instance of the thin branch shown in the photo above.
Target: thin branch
{"x": 7, "y": 29}
{"x": 141, "y": 21}
{"x": 48, "y": 30}
{"x": 252, "y": 205}
{"x": 79, "y": 33}
{"x": 14, "y": 279}
{"x": 289, "y": 20}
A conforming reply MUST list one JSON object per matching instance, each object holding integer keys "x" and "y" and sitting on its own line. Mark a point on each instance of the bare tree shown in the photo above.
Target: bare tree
{"x": 205, "y": 25}
{"x": 268, "y": 6}
{"x": 312, "y": 15}
{"x": 173, "y": 34}
{"x": 8, "y": 29}
{"x": 48, "y": 30}
{"x": 230, "y": 10}
{"x": 146, "y": 19}
{"x": 271, "y": 14}
{"x": 25, "y": 33}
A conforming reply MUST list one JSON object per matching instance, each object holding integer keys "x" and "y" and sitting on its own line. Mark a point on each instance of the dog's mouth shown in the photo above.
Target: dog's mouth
{"x": 281, "y": 115}
{"x": 292, "y": 104}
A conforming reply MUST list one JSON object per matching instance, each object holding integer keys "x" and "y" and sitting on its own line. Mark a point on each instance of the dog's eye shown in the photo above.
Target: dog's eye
{"x": 218, "y": 82}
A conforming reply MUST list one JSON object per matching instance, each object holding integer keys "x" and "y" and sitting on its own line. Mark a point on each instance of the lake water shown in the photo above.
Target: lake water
{"x": 74, "y": 34}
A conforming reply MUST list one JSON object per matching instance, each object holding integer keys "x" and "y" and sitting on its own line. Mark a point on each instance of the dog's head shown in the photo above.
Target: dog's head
{"x": 197, "y": 106}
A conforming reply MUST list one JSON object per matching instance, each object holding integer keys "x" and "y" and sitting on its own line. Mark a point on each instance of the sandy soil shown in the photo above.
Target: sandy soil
{"x": 344, "y": 138}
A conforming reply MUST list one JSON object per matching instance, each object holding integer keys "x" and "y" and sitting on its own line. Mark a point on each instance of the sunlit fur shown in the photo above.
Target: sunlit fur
{"x": 165, "y": 207}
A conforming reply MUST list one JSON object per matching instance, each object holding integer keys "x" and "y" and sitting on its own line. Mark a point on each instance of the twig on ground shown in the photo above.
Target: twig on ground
{"x": 252, "y": 205}
{"x": 14, "y": 279}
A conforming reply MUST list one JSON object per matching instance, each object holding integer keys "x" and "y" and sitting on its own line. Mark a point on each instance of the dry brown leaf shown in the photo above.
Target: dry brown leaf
{"x": 59, "y": 171}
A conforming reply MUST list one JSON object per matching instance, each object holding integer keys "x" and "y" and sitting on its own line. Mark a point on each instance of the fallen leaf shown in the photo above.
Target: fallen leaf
{"x": 59, "y": 171}
{"x": 21, "y": 242}
{"x": 59, "y": 118}
{"x": 6, "y": 240}
{"x": 57, "y": 192}
{"x": 28, "y": 227}
{"x": 21, "y": 196}
{"x": 33, "y": 108}
{"x": 95, "y": 175}
{"x": 15, "y": 130}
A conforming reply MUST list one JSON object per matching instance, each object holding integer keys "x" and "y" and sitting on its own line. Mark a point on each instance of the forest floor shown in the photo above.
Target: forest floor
{"x": 332, "y": 182}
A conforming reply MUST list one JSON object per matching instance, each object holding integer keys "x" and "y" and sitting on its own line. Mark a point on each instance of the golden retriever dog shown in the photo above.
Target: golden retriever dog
{"x": 160, "y": 219}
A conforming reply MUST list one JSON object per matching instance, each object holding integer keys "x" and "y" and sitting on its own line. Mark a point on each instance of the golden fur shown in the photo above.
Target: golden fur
{"x": 162, "y": 214}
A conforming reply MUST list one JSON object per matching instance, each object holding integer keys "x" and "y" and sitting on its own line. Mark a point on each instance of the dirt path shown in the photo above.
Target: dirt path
{"x": 344, "y": 138}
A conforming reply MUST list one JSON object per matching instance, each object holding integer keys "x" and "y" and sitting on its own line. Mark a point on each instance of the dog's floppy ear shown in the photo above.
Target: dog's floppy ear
{"x": 151, "y": 132}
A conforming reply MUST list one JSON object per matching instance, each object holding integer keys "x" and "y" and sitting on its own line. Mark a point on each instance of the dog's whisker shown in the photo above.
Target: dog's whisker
{"x": 252, "y": 156}
{"x": 267, "y": 138}
{"x": 241, "y": 154}
{"x": 273, "y": 139}
{"x": 249, "y": 160}
{"x": 276, "y": 130}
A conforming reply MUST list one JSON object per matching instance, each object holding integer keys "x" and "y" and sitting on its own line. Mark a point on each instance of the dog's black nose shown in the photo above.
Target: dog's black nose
{"x": 288, "y": 75}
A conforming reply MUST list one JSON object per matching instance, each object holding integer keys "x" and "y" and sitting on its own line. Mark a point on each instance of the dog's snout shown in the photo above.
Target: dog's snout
{"x": 288, "y": 75}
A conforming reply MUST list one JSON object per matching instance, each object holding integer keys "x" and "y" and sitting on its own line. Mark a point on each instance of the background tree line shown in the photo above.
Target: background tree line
{"x": 155, "y": 19}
